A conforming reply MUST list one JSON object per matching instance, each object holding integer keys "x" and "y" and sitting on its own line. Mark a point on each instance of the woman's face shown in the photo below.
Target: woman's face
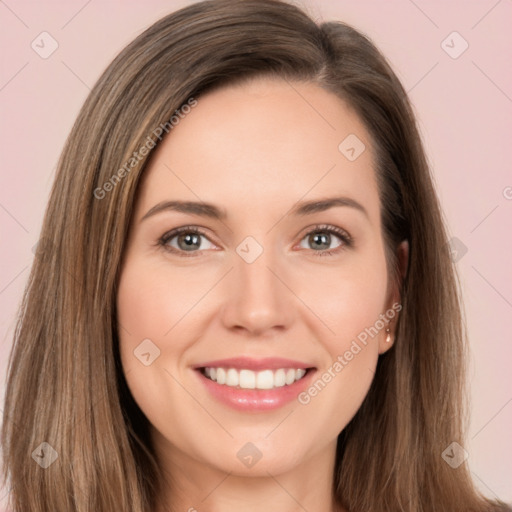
{"x": 279, "y": 267}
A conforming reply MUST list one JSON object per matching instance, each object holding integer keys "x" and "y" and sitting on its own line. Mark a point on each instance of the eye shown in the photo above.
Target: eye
{"x": 187, "y": 239}
{"x": 321, "y": 237}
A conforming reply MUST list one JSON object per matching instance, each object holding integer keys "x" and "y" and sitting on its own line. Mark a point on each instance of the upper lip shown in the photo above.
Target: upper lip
{"x": 249, "y": 363}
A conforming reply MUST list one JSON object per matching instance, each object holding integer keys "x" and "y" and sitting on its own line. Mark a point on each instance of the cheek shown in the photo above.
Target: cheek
{"x": 153, "y": 298}
{"x": 350, "y": 303}
{"x": 152, "y": 304}
{"x": 149, "y": 307}
{"x": 347, "y": 299}
{"x": 352, "y": 312}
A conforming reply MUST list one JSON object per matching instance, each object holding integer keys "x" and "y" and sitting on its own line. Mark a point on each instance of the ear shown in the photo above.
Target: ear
{"x": 387, "y": 337}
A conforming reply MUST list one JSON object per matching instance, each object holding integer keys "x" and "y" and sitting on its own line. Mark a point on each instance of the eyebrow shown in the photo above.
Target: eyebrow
{"x": 301, "y": 208}
{"x": 190, "y": 207}
{"x": 320, "y": 205}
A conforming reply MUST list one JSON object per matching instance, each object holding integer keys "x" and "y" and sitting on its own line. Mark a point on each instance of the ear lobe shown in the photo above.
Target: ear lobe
{"x": 387, "y": 340}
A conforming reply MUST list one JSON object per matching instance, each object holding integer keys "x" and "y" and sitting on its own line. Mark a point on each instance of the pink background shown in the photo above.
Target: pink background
{"x": 464, "y": 106}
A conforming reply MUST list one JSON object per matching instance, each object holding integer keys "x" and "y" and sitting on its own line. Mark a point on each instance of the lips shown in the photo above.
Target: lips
{"x": 253, "y": 385}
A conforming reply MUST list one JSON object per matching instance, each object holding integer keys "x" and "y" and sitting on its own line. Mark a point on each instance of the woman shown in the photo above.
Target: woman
{"x": 198, "y": 349}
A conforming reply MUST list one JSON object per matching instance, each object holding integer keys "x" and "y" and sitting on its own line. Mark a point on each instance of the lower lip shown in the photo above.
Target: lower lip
{"x": 256, "y": 400}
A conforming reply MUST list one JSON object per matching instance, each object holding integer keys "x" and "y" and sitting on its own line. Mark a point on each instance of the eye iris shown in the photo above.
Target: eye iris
{"x": 322, "y": 239}
{"x": 191, "y": 240}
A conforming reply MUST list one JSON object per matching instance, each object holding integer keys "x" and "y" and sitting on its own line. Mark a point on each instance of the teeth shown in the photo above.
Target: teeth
{"x": 248, "y": 379}
{"x": 232, "y": 378}
{"x": 290, "y": 377}
{"x": 265, "y": 379}
{"x": 279, "y": 378}
{"x": 221, "y": 375}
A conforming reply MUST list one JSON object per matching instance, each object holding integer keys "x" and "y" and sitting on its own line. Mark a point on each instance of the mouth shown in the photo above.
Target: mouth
{"x": 254, "y": 386}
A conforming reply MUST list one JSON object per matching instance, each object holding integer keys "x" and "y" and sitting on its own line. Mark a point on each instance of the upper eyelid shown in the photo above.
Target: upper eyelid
{"x": 336, "y": 230}
{"x": 185, "y": 229}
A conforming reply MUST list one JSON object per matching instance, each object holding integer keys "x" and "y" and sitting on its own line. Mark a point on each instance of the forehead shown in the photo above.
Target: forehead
{"x": 264, "y": 141}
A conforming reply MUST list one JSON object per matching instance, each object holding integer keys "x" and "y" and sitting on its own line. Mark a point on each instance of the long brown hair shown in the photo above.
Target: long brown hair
{"x": 65, "y": 383}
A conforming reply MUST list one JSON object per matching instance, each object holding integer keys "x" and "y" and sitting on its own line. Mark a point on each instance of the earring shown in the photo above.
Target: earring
{"x": 388, "y": 337}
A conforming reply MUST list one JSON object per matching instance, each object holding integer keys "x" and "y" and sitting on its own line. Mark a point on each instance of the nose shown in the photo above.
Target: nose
{"x": 257, "y": 298}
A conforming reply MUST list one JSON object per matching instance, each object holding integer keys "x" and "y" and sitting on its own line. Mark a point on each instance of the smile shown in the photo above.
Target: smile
{"x": 249, "y": 379}
{"x": 254, "y": 385}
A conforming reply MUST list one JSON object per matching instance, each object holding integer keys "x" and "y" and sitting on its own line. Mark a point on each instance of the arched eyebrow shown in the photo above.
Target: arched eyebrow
{"x": 191, "y": 207}
{"x": 212, "y": 211}
{"x": 320, "y": 205}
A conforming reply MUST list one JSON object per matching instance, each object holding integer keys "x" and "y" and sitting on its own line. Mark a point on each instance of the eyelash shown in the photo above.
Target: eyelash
{"x": 324, "y": 228}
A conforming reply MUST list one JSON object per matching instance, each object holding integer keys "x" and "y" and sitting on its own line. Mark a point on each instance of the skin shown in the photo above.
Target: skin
{"x": 254, "y": 149}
